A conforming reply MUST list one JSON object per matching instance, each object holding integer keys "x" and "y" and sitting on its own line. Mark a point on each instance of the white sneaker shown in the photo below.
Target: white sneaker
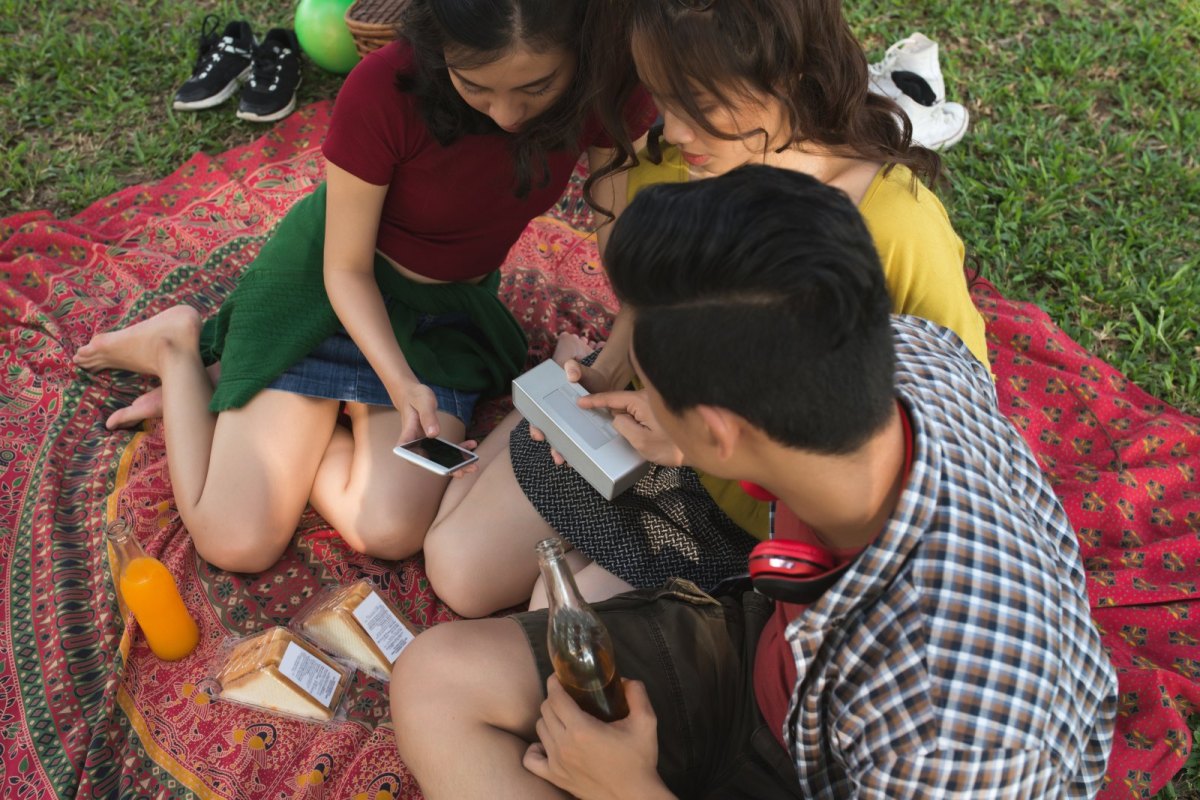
{"x": 917, "y": 55}
{"x": 937, "y": 127}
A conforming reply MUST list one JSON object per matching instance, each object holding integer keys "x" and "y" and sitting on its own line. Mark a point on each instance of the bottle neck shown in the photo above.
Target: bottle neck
{"x": 561, "y": 591}
{"x": 124, "y": 545}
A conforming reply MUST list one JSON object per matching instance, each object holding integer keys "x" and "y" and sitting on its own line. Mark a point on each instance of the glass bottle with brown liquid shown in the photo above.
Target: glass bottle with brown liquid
{"x": 580, "y": 647}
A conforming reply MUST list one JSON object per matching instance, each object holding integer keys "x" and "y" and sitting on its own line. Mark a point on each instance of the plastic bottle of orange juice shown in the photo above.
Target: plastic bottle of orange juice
{"x": 149, "y": 591}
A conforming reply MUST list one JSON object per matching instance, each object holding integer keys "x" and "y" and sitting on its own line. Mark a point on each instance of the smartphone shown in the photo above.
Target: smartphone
{"x": 436, "y": 455}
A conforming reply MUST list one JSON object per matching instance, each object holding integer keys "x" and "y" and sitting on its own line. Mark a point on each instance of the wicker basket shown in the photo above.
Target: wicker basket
{"x": 372, "y": 23}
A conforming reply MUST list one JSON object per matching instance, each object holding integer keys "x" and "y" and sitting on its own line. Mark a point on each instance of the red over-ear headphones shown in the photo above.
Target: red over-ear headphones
{"x": 793, "y": 571}
{"x": 789, "y": 569}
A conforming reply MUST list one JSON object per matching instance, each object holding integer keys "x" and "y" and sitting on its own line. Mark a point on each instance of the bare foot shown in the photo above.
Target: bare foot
{"x": 137, "y": 347}
{"x": 148, "y": 405}
{"x": 571, "y": 346}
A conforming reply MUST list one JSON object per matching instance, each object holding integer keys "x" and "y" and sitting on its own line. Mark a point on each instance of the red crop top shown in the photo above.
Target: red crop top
{"x": 450, "y": 212}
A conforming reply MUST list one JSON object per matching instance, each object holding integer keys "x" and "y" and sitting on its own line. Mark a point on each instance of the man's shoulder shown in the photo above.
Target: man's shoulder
{"x": 954, "y": 673}
{"x": 977, "y": 485}
{"x": 970, "y": 630}
{"x": 930, "y": 354}
{"x": 950, "y": 395}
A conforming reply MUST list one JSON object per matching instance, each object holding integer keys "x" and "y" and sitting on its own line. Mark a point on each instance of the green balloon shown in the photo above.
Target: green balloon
{"x": 321, "y": 29}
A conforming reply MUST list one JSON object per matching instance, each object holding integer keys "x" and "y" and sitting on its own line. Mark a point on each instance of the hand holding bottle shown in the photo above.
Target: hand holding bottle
{"x": 587, "y": 758}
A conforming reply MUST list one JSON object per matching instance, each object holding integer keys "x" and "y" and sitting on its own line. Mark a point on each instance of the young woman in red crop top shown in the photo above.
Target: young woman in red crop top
{"x": 377, "y": 291}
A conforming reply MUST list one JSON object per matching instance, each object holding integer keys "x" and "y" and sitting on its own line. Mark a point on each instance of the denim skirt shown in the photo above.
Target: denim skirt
{"x": 337, "y": 370}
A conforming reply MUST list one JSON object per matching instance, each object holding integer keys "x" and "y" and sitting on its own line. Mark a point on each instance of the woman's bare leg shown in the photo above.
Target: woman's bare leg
{"x": 241, "y": 479}
{"x": 594, "y": 581}
{"x": 381, "y": 504}
{"x": 493, "y": 447}
{"x": 148, "y": 405}
{"x": 479, "y": 553}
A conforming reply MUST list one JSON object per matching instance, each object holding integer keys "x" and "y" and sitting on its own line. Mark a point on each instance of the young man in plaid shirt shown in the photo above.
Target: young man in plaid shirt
{"x": 945, "y": 649}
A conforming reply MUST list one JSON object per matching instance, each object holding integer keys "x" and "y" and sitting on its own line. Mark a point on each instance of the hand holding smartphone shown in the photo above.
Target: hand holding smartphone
{"x": 436, "y": 455}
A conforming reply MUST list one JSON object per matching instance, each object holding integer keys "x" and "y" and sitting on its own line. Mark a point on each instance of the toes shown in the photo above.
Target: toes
{"x": 89, "y": 354}
{"x": 141, "y": 409}
{"x": 117, "y": 419}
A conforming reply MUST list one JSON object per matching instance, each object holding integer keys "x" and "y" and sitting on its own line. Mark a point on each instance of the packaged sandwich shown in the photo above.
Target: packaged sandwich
{"x": 280, "y": 671}
{"x": 359, "y": 624}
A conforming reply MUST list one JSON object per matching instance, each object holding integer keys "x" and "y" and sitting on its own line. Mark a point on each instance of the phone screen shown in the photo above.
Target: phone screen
{"x": 439, "y": 452}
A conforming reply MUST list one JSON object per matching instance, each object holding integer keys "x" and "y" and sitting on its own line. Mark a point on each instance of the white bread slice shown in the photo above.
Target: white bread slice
{"x": 252, "y": 675}
{"x": 331, "y": 623}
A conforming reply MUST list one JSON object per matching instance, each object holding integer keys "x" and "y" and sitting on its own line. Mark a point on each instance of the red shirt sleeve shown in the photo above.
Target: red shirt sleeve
{"x": 372, "y": 120}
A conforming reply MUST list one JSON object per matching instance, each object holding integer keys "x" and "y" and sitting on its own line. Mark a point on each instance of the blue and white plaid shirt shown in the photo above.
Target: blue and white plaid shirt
{"x": 957, "y": 657}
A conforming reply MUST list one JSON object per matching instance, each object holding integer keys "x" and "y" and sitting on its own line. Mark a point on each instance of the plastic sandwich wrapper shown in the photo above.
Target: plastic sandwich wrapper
{"x": 586, "y": 438}
{"x": 356, "y": 623}
{"x": 279, "y": 671}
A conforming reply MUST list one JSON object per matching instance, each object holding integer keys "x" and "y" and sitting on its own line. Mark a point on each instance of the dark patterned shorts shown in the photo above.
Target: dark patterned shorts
{"x": 665, "y": 526}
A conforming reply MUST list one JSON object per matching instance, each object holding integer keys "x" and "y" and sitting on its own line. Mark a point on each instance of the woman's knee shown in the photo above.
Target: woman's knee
{"x": 240, "y": 547}
{"x": 388, "y": 537}
{"x": 241, "y": 552}
{"x": 454, "y": 572}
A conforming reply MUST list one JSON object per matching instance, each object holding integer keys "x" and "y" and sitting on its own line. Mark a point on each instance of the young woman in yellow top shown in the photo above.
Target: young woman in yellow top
{"x": 776, "y": 82}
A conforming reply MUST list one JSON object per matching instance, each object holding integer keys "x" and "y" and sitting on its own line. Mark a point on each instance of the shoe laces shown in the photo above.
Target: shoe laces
{"x": 210, "y": 30}
{"x": 267, "y": 64}
{"x": 884, "y": 66}
{"x": 213, "y": 46}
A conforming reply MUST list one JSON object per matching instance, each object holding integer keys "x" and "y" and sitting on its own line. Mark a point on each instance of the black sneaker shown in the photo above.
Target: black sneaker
{"x": 270, "y": 94}
{"x": 223, "y": 63}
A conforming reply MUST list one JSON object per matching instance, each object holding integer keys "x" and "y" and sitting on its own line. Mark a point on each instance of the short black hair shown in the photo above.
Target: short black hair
{"x": 760, "y": 291}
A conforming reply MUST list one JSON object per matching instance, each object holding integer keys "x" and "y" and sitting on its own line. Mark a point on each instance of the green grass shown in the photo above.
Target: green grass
{"x": 1078, "y": 185}
{"x": 85, "y": 90}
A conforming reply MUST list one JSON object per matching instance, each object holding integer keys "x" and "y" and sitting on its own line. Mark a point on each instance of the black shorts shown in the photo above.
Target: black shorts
{"x": 696, "y": 656}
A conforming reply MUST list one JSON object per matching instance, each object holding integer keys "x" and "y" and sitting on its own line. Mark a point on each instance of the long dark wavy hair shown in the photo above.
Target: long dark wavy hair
{"x": 478, "y": 32}
{"x": 801, "y": 52}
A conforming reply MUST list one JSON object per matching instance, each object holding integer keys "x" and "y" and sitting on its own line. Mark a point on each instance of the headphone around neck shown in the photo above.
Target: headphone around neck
{"x": 793, "y": 571}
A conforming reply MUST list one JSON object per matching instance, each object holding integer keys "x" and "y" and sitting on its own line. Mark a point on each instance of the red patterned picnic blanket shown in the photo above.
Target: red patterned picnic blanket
{"x": 1124, "y": 466}
{"x": 87, "y": 711}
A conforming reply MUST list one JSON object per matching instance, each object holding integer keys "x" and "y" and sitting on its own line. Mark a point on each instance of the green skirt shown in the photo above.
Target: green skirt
{"x": 279, "y": 312}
